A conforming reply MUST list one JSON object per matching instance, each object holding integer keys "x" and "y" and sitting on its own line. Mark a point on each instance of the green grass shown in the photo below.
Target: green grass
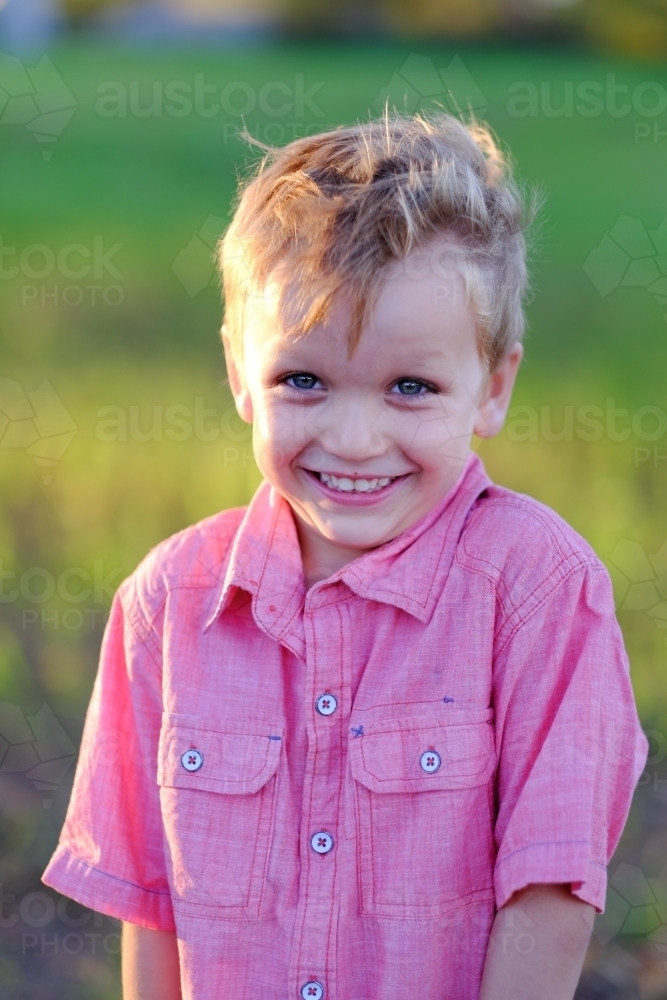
{"x": 149, "y": 184}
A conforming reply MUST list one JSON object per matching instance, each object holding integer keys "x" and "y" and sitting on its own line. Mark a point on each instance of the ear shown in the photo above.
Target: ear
{"x": 495, "y": 402}
{"x": 237, "y": 380}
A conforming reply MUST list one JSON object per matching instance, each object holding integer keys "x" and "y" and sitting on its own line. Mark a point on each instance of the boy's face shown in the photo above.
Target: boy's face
{"x": 402, "y": 409}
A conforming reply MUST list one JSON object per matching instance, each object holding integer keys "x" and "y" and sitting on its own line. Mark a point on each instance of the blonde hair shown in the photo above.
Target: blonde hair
{"x": 338, "y": 208}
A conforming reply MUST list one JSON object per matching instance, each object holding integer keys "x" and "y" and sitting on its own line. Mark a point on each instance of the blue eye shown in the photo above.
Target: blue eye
{"x": 412, "y": 387}
{"x": 301, "y": 380}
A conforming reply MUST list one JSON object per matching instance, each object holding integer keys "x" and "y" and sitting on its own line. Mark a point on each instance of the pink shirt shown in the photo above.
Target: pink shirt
{"x": 328, "y": 794}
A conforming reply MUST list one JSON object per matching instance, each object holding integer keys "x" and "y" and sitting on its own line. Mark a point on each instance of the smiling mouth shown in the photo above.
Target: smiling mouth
{"x": 358, "y": 485}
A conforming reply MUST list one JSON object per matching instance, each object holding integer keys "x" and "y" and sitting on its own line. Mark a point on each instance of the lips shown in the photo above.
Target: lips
{"x": 355, "y": 497}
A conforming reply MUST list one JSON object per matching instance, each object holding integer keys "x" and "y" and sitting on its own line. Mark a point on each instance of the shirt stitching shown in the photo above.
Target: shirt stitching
{"x": 306, "y": 905}
{"x": 133, "y": 615}
{"x": 266, "y": 807}
{"x": 343, "y": 649}
{"x": 560, "y": 572}
{"x": 551, "y": 525}
{"x": 344, "y": 599}
{"x": 555, "y": 579}
{"x": 426, "y": 780}
{"x": 546, "y": 843}
{"x": 462, "y": 504}
{"x": 267, "y": 550}
{"x": 397, "y": 593}
{"x": 391, "y": 704}
{"x": 532, "y": 611}
{"x": 553, "y": 528}
{"x": 406, "y": 911}
{"x": 498, "y": 582}
{"x": 117, "y": 878}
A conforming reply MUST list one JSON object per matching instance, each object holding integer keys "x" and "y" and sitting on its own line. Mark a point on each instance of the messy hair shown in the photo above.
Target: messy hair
{"x": 338, "y": 208}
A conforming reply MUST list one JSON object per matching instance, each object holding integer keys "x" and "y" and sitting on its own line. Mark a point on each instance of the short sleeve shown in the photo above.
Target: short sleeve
{"x": 110, "y": 854}
{"x": 570, "y": 747}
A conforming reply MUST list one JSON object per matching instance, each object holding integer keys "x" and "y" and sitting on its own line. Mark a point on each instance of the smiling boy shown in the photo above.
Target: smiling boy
{"x": 350, "y": 742}
{"x": 393, "y": 445}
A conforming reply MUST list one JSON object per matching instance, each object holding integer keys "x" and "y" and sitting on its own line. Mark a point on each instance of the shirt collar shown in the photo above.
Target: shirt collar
{"x": 265, "y": 561}
{"x": 422, "y": 554}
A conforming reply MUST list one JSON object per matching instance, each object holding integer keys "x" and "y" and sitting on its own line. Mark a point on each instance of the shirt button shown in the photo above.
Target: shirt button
{"x": 326, "y": 704}
{"x": 312, "y": 990}
{"x": 321, "y": 843}
{"x": 192, "y": 760}
{"x": 430, "y": 761}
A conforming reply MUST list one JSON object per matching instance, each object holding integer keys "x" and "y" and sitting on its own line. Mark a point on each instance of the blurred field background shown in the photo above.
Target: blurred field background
{"x": 116, "y": 423}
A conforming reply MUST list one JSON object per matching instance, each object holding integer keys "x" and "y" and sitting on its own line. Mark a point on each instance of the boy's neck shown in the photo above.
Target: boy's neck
{"x": 320, "y": 557}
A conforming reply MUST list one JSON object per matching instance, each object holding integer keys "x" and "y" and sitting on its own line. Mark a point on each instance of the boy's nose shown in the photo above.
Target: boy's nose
{"x": 352, "y": 431}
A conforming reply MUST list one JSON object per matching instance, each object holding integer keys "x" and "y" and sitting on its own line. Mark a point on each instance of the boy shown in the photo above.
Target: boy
{"x": 372, "y": 737}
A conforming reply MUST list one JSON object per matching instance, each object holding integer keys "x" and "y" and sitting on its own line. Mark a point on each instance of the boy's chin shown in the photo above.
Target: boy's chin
{"x": 360, "y": 539}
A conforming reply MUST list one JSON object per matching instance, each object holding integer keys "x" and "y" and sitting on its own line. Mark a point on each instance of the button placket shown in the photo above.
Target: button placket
{"x": 327, "y": 649}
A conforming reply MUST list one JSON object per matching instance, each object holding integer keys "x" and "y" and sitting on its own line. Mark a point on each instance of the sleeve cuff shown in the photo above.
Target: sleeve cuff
{"x": 109, "y": 894}
{"x": 565, "y": 862}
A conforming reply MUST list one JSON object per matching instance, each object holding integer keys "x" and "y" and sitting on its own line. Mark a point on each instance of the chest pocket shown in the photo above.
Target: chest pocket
{"x": 424, "y": 806}
{"x": 217, "y": 793}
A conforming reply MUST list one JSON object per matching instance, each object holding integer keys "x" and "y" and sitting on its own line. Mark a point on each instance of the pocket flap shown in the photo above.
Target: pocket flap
{"x": 238, "y": 761}
{"x": 389, "y": 758}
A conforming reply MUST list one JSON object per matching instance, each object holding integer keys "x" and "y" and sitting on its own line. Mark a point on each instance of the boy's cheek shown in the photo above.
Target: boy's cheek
{"x": 274, "y": 451}
{"x": 441, "y": 460}
{"x": 439, "y": 433}
{"x": 282, "y": 427}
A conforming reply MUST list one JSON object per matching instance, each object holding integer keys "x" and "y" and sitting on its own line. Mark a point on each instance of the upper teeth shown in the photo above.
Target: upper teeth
{"x": 355, "y": 485}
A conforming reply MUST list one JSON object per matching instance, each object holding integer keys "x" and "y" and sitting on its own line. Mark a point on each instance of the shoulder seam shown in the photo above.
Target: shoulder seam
{"x": 142, "y": 625}
{"x": 533, "y": 508}
{"x": 522, "y": 620}
{"x": 567, "y": 557}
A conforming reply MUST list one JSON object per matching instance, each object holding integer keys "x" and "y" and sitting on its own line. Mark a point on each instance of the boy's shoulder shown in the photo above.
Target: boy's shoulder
{"x": 521, "y": 543}
{"x": 192, "y": 557}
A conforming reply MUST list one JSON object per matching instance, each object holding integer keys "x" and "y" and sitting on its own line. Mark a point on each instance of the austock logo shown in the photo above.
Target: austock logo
{"x": 36, "y": 746}
{"x": 640, "y": 580}
{"x": 631, "y": 257}
{"x": 194, "y": 266}
{"x": 419, "y": 86}
{"x": 37, "y": 98}
{"x": 635, "y": 905}
{"x": 36, "y": 422}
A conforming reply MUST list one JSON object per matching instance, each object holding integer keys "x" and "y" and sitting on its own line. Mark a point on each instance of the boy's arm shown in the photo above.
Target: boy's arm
{"x": 149, "y": 961}
{"x": 537, "y": 945}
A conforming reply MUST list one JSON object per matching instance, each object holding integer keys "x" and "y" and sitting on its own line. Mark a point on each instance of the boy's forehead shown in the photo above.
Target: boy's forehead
{"x": 265, "y": 336}
{"x": 416, "y": 312}
{"x": 325, "y": 349}
{"x": 273, "y": 319}
{"x": 271, "y": 305}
